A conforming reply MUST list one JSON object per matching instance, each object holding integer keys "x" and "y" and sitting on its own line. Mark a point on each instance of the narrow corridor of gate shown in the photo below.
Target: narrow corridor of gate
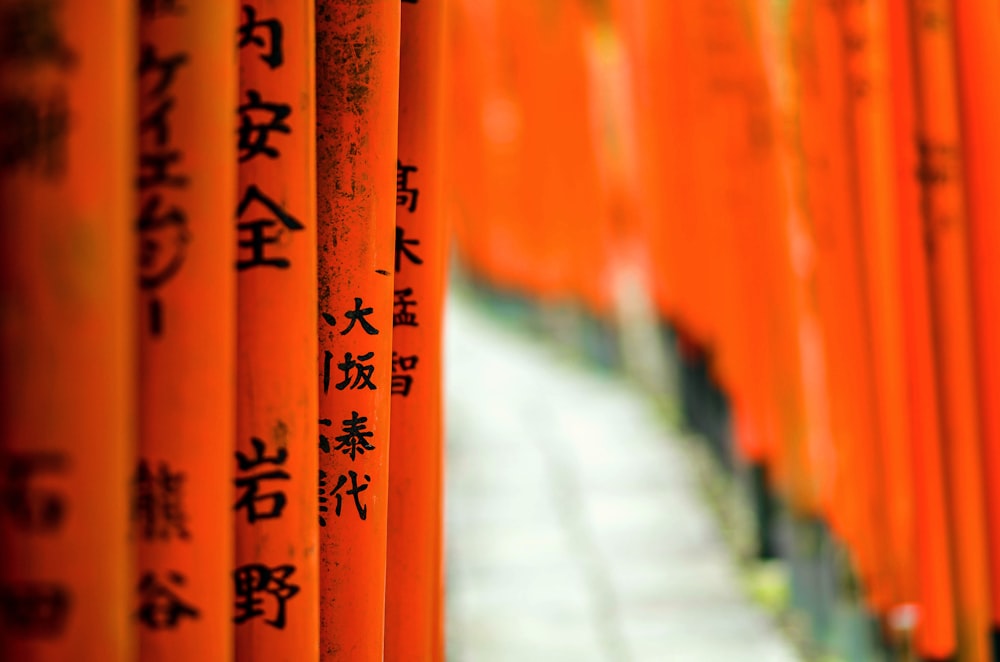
{"x": 574, "y": 528}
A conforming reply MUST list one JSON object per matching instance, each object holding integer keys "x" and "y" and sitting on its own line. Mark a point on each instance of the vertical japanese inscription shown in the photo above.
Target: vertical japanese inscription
{"x": 275, "y": 576}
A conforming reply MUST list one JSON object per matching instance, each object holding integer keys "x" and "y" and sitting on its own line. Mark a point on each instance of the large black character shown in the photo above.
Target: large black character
{"x": 257, "y": 579}
{"x": 257, "y": 227}
{"x": 34, "y": 133}
{"x": 32, "y": 509}
{"x": 34, "y": 609}
{"x": 405, "y": 195}
{"x": 355, "y": 492}
{"x": 401, "y": 315}
{"x": 254, "y": 135}
{"x": 158, "y": 502}
{"x": 354, "y": 441}
{"x": 359, "y": 314}
{"x": 275, "y": 55}
{"x": 29, "y": 34}
{"x": 160, "y": 608}
{"x": 402, "y": 382}
{"x": 163, "y": 244}
{"x": 251, "y": 484}
{"x": 402, "y": 250}
{"x": 362, "y": 372}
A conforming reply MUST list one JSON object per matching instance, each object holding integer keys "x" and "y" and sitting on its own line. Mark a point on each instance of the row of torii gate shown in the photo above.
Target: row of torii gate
{"x": 180, "y": 478}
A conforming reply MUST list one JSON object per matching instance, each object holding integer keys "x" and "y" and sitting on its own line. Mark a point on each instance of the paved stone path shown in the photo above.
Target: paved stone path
{"x": 574, "y": 529}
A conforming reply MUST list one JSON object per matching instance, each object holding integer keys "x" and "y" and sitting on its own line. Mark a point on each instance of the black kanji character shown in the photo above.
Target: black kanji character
{"x": 402, "y": 250}
{"x": 34, "y": 609}
{"x": 401, "y": 315}
{"x": 257, "y": 227}
{"x": 402, "y": 382}
{"x": 257, "y": 579}
{"x": 158, "y": 502}
{"x": 355, "y": 492}
{"x": 251, "y": 484}
{"x": 160, "y": 608}
{"x": 34, "y": 133}
{"x": 405, "y": 195}
{"x": 275, "y": 56}
{"x": 32, "y": 508}
{"x": 362, "y": 372}
{"x": 354, "y": 441}
{"x": 358, "y": 315}
{"x": 29, "y": 34}
{"x": 254, "y": 135}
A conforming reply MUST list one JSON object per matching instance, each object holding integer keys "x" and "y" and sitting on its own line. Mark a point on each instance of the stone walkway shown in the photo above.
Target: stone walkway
{"x": 574, "y": 529}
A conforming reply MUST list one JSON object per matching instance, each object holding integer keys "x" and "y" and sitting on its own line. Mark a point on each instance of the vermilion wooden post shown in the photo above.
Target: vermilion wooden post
{"x": 946, "y": 227}
{"x": 414, "y": 609}
{"x": 936, "y": 617}
{"x": 182, "y": 513}
{"x": 357, "y": 108}
{"x": 66, "y": 351}
{"x": 276, "y": 573}
{"x": 869, "y": 90}
{"x": 977, "y": 25}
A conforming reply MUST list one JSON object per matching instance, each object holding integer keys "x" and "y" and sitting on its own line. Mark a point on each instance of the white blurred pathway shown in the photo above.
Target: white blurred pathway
{"x": 574, "y": 528}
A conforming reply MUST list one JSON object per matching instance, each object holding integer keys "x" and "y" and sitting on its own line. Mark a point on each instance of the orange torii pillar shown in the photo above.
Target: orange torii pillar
{"x": 182, "y": 513}
{"x": 936, "y": 613}
{"x": 357, "y": 109}
{"x": 947, "y": 227}
{"x": 66, "y": 354}
{"x": 276, "y": 574}
{"x": 414, "y": 609}
{"x": 977, "y": 24}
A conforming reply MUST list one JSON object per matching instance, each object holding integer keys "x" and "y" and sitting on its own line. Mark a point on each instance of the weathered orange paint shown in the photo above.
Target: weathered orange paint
{"x": 946, "y": 227}
{"x": 357, "y": 108}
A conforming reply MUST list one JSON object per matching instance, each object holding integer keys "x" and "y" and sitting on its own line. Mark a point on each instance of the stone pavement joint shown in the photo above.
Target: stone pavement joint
{"x": 574, "y": 527}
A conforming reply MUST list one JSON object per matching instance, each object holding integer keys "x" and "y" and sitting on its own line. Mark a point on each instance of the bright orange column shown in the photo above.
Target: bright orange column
{"x": 946, "y": 227}
{"x": 977, "y": 25}
{"x": 276, "y": 573}
{"x": 414, "y": 609}
{"x": 66, "y": 351}
{"x": 936, "y": 624}
{"x": 182, "y": 507}
{"x": 357, "y": 97}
